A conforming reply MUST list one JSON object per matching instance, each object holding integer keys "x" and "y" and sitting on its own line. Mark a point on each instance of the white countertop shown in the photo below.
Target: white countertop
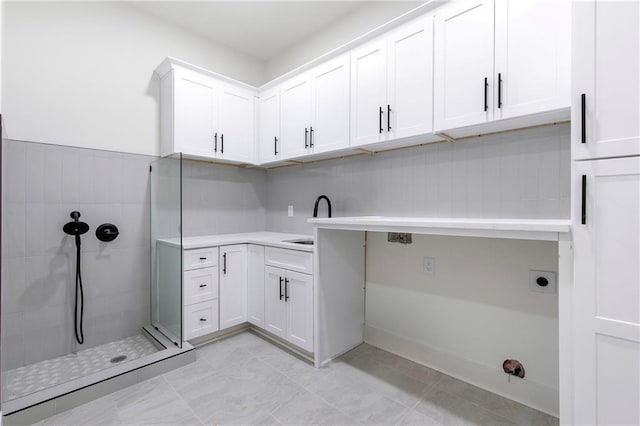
{"x": 533, "y": 229}
{"x": 273, "y": 239}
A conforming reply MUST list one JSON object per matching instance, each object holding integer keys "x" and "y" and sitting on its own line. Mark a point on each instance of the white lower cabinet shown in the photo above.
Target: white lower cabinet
{"x": 233, "y": 285}
{"x": 199, "y": 292}
{"x": 289, "y": 306}
{"x": 200, "y": 319}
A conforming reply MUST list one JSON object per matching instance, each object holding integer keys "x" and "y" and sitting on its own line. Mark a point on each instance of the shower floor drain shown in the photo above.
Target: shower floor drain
{"x": 118, "y": 358}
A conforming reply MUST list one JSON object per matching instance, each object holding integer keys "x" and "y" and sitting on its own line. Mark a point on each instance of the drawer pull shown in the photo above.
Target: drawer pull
{"x": 202, "y": 285}
{"x": 203, "y": 320}
{"x": 203, "y": 258}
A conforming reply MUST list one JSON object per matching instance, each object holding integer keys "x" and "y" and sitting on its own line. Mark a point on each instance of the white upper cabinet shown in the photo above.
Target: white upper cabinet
{"x": 528, "y": 74}
{"x": 533, "y": 57}
{"x": 193, "y": 100}
{"x": 368, "y": 93}
{"x": 392, "y": 85}
{"x": 295, "y": 116}
{"x": 463, "y": 64}
{"x": 329, "y": 128}
{"x": 236, "y": 125}
{"x": 204, "y": 116}
{"x": 410, "y": 79}
{"x": 269, "y": 126}
{"x": 606, "y": 79}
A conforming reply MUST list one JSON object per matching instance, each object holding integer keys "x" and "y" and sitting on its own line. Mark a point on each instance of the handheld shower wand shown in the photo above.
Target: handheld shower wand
{"x": 77, "y": 228}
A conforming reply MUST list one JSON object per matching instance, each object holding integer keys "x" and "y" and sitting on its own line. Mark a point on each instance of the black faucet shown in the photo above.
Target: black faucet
{"x": 315, "y": 208}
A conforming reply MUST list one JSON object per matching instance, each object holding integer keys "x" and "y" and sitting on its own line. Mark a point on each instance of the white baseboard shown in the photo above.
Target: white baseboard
{"x": 535, "y": 395}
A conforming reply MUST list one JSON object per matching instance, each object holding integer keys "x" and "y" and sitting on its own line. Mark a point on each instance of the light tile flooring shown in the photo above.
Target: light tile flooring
{"x": 45, "y": 374}
{"x": 246, "y": 380}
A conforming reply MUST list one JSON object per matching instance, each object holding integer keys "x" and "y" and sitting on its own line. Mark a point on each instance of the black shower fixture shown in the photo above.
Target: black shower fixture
{"x": 107, "y": 232}
{"x": 77, "y": 228}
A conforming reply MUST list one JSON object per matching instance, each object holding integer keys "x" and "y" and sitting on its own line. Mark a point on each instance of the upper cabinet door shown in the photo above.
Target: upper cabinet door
{"x": 369, "y": 93}
{"x": 330, "y": 106}
{"x": 463, "y": 64}
{"x": 295, "y": 115}
{"x": 195, "y": 114}
{"x": 533, "y": 62}
{"x": 235, "y": 129}
{"x": 606, "y": 75}
{"x": 269, "y": 126}
{"x": 410, "y": 79}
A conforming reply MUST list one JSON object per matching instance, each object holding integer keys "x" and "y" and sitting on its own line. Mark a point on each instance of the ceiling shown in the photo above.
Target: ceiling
{"x": 261, "y": 29}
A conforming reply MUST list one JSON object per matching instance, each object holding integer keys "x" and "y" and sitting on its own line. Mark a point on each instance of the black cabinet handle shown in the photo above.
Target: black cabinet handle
{"x": 486, "y": 87}
{"x": 311, "y": 137}
{"x": 224, "y": 263}
{"x": 584, "y": 200}
{"x": 583, "y": 118}
{"x": 215, "y": 142}
{"x": 222, "y": 143}
{"x": 202, "y": 285}
{"x": 281, "y": 295}
{"x": 286, "y": 289}
{"x": 203, "y": 320}
{"x": 203, "y": 258}
{"x": 275, "y": 145}
{"x": 499, "y": 90}
{"x": 380, "y": 119}
{"x": 388, "y": 118}
{"x": 306, "y": 137}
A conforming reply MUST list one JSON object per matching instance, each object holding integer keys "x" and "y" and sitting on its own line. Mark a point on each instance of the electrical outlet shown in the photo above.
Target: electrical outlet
{"x": 429, "y": 265}
{"x": 542, "y": 281}
{"x": 290, "y": 211}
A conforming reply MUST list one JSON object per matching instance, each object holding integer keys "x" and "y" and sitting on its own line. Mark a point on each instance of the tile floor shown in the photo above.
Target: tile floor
{"x": 51, "y": 372}
{"x": 246, "y": 380}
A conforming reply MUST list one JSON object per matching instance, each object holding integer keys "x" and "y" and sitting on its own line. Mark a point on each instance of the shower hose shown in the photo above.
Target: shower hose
{"x": 77, "y": 320}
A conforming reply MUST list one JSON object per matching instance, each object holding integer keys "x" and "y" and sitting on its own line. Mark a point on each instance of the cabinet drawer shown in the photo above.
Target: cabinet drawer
{"x": 200, "y": 319}
{"x": 294, "y": 260}
{"x": 200, "y": 285}
{"x": 200, "y": 258}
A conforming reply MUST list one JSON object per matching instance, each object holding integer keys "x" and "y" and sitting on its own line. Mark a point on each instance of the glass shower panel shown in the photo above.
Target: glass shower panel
{"x": 166, "y": 247}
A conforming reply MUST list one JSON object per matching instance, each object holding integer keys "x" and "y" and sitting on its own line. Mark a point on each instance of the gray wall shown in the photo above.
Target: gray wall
{"x": 523, "y": 174}
{"x": 42, "y": 184}
{"x": 219, "y": 199}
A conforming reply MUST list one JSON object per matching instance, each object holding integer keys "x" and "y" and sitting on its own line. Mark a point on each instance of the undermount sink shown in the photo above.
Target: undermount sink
{"x": 305, "y": 242}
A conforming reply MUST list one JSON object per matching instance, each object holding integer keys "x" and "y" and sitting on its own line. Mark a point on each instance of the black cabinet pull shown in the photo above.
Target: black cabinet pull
{"x": 380, "y": 119}
{"x": 306, "y": 137}
{"x": 275, "y": 145}
{"x": 486, "y": 87}
{"x": 224, "y": 263}
{"x": 499, "y": 90}
{"x": 286, "y": 289}
{"x": 583, "y": 117}
{"x": 388, "y": 118}
{"x": 311, "y": 137}
{"x": 584, "y": 200}
{"x": 203, "y": 258}
{"x": 215, "y": 142}
{"x": 203, "y": 320}
{"x": 222, "y": 143}
{"x": 202, "y": 285}
{"x": 281, "y": 295}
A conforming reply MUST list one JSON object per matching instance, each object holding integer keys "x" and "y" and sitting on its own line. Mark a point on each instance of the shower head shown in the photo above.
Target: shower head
{"x": 75, "y": 227}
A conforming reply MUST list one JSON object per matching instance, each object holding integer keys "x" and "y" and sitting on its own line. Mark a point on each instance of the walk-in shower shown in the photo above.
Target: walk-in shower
{"x": 76, "y": 294}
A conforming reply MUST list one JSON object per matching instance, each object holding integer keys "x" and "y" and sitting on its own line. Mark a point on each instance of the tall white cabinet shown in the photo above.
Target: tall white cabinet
{"x": 606, "y": 212}
{"x": 233, "y": 285}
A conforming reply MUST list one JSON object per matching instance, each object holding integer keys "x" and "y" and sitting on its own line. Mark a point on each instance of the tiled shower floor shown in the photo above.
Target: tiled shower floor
{"x": 45, "y": 374}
